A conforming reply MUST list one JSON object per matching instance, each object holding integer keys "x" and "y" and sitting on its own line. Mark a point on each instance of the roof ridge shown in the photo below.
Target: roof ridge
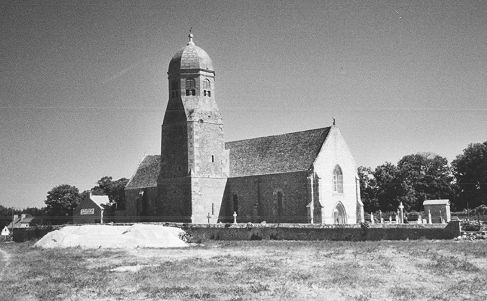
{"x": 277, "y": 135}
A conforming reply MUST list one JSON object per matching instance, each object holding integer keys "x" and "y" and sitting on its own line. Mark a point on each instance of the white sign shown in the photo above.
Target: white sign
{"x": 5, "y": 232}
{"x": 88, "y": 211}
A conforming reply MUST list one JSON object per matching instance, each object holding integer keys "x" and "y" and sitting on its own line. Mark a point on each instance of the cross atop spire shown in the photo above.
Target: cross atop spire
{"x": 190, "y": 36}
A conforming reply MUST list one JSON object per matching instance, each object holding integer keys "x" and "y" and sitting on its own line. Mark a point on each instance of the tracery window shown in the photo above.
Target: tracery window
{"x": 337, "y": 179}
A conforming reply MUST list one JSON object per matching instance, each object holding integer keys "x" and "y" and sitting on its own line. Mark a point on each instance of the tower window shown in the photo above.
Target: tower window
{"x": 212, "y": 158}
{"x": 204, "y": 92}
{"x": 174, "y": 87}
{"x": 207, "y": 87}
{"x": 190, "y": 87}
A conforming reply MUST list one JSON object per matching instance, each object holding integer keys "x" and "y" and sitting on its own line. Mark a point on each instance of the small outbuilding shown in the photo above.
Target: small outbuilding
{"x": 23, "y": 220}
{"x": 439, "y": 210}
{"x": 90, "y": 210}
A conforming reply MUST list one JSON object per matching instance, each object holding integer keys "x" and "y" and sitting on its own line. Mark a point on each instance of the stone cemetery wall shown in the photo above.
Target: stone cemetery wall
{"x": 323, "y": 232}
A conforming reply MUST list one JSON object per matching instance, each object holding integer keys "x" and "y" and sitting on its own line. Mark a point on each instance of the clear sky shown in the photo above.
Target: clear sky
{"x": 83, "y": 84}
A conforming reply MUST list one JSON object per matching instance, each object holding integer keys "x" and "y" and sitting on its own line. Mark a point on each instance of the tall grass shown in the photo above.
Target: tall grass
{"x": 267, "y": 270}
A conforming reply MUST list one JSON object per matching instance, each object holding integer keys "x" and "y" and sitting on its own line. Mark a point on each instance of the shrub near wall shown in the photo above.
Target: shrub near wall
{"x": 33, "y": 233}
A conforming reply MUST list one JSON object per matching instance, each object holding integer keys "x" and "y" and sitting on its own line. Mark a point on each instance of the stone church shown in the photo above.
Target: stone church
{"x": 301, "y": 177}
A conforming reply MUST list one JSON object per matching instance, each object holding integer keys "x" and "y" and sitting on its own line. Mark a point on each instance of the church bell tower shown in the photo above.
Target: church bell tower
{"x": 194, "y": 163}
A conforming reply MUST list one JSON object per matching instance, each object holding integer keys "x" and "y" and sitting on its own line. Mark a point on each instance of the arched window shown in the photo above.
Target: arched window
{"x": 190, "y": 87}
{"x": 207, "y": 88}
{"x": 337, "y": 179}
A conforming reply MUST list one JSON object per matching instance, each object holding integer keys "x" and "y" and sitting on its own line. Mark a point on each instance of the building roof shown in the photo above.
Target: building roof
{"x": 146, "y": 174}
{"x": 190, "y": 57}
{"x": 18, "y": 220}
{"x": 275, "y": 154}
{"x": 289, "y": 152}
{"x": 100, "y": 200}
{"x": 436, "y": 202}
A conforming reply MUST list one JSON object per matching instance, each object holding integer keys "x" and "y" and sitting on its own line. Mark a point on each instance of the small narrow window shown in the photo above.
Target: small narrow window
{"x": 209, "y": 93}
{"x": 193, "y": 92}
{"x": 187, "y": 92}
{"x": 175, "y": 85}
{"x": 204, "y": 92}
{"x": 279, "y": 204}
{"x": 235, "y": 203}
{"x": 212, "y": 158}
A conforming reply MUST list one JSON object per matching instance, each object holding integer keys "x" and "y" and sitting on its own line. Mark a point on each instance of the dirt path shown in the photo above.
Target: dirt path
{"x": 4, "y": 261}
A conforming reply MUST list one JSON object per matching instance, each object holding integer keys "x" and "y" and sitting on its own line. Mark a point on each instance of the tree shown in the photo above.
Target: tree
{"x": 368, "y": 189}
{"x": 424, "y": 176}
{"x": 470, "y": 170}
{"x": 60, "y": 203}
{"x": 389, "y": 190}
{"x": 6, "y": 215}
{"x": 114, "y": 189}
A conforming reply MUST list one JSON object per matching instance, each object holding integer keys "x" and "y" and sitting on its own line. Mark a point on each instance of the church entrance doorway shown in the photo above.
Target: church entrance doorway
{"x": 339, "y": 214}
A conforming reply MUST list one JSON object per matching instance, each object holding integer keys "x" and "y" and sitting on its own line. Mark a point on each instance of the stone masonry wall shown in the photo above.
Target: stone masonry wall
{"x": 322, "y": 232}
{"x": 258, "y": 198}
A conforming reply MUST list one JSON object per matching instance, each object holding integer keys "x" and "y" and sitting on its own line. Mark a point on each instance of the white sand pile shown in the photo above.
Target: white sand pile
{"x": 108, "y": 236}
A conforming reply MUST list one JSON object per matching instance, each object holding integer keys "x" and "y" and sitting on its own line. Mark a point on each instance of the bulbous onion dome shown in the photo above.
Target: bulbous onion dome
{"x": 191, "y": 57}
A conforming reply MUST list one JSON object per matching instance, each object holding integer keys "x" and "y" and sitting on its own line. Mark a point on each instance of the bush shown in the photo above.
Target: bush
{"x": 470, "y": 226}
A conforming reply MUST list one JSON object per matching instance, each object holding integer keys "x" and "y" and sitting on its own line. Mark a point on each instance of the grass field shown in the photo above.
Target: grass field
{"x": 250, "y": 270}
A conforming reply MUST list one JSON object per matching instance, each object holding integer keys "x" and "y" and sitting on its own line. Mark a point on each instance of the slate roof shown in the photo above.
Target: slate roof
{"x": 190, "y": 57}
{"x": 275, "y": 154}
{"x": 19, "y": 220}
{"x": 146, "y": 174}
{"x": 289, "y": 152}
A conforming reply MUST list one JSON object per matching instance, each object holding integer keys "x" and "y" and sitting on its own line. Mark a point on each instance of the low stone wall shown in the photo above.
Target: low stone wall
{"x": 290, "y": 231}
{"x": 323, "y": 232}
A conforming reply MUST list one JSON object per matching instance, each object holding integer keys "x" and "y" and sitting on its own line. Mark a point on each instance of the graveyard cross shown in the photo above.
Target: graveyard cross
{"x": 234, "y": 217}
{"x": 401, "y": 208}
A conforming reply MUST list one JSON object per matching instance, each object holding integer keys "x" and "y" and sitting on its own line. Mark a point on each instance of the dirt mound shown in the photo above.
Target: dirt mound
{"x": 108, "y": 236}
